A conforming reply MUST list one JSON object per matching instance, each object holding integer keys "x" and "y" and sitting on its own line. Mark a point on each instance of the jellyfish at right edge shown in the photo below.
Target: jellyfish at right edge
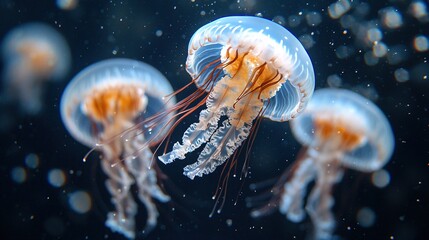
{"x": 33, "y": 53}
{"x": 245, "y": 68}
{"x": 100, "y": 107}
{"x": 339, "y": 129}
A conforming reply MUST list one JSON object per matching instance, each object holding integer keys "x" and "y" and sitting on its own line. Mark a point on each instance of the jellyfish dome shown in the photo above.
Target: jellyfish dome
{"x": 102, "y": 106}
{"x": 257, "y": 41}
{"x": 355, "y": 126}
{"x": 115, "y": 89}
{"x": 250, "y": 67}
{"x": 38, "y": 49}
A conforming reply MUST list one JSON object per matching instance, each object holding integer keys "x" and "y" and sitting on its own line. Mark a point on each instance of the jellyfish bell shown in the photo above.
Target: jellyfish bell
{"x": 135, "y": 87}
{"x": 339, "y": 129}
{"x": 101, "y": 107}
{"x": 33, "y": 53}
{"x": 249, "y": 67}
{"x": 40, "y": 48}
{"x": 349, "y": 124}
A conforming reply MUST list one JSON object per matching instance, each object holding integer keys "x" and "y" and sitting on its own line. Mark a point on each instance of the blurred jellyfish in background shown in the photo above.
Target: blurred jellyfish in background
{"x": 67, "y": 4}
{"x": 339, "y": 129}
{"x": 100, "y": 107}
{"x": 33, "y": 53}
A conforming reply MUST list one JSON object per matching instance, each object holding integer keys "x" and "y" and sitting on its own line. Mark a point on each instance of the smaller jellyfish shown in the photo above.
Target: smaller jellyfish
{"x": 245, "y": 68}
{"x": 100, "y": 107}
{"x": 339, "y": 129}
{"x": 33, "y": 53}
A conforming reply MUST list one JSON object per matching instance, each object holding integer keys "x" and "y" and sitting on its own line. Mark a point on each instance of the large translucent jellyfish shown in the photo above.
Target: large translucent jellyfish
{"x": 250, "y": 67}
{"x": 33, "y": 53}
{"x": 339, "y": 129}
{"x": 100, "y": 106}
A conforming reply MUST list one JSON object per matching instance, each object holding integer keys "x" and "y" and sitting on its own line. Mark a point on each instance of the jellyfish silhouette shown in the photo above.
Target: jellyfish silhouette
{"x": 250, "y": 67}
{"x": 339, "y": 129}
{"x": 33, "y": 53}
{"x": 101, "y": 106}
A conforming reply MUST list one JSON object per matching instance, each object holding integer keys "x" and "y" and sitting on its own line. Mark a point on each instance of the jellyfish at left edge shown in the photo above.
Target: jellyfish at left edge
{"x": 33, "y": 53}
{"x": 100, "y": 107}
{"x": 245, "y": 68}
{"x": 339, "y": 129}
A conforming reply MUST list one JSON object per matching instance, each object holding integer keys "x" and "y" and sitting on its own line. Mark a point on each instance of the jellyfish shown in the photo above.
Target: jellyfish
{"x": 101, "y": 106}
{"x": 244, "y": 68}
{"x": 339, "y": 129}
{"x": 33, "y": 53}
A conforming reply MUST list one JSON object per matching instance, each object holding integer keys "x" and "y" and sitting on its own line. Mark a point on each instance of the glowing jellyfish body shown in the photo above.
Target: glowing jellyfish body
{"x": 33, "y": 53}
{"x": 339, "y": 129}
{"x": 105, "y": 100}
{"x": 251, "y": 67}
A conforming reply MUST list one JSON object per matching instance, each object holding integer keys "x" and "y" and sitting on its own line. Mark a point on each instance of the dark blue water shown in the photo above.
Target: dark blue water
{"x": 157, "y": 32}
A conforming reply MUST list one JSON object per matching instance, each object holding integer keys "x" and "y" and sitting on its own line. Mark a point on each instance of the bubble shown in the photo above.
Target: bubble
{"x": 370, "y": 59}
{"x": 380, "y": 178}
{"x": 280, "y": 20}
{"x": 56, "y": 177}
{"x": 347, "y": 21}
{"x": 421, "y": 43}
{"x": 374, "y": 35}
{"x": 67, "y": 4}
{"x": 246, "y": 5}
{"x": 339, "y": 8}
{"x": 379, "y": 49}
{"x": 334, "y": 80}
{"x": 18, "y": 174}
{"x": 367, "y": 90}
{"x": 313, "y": 18}
{"x": 343, "y": 52}
{"x": 397, "y": 54}
{"x": 80, "y": 202}
{"x": 158, "y": 33}
{"x": 418, "y": 9}
{"x": 294, "y": 20}
{"x": 307, "y": 41}
{"x": 362, "y": 9}
{"x": 366, "y": 217}
{"x": 390, "y": 17}
{"x": 32, "y": 161}
{"x": 401, "y": 75}
{"x": 366, "y": 33}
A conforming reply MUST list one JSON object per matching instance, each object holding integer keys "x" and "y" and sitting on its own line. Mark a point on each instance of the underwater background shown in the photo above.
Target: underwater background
{"x": 35, "y": 147}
